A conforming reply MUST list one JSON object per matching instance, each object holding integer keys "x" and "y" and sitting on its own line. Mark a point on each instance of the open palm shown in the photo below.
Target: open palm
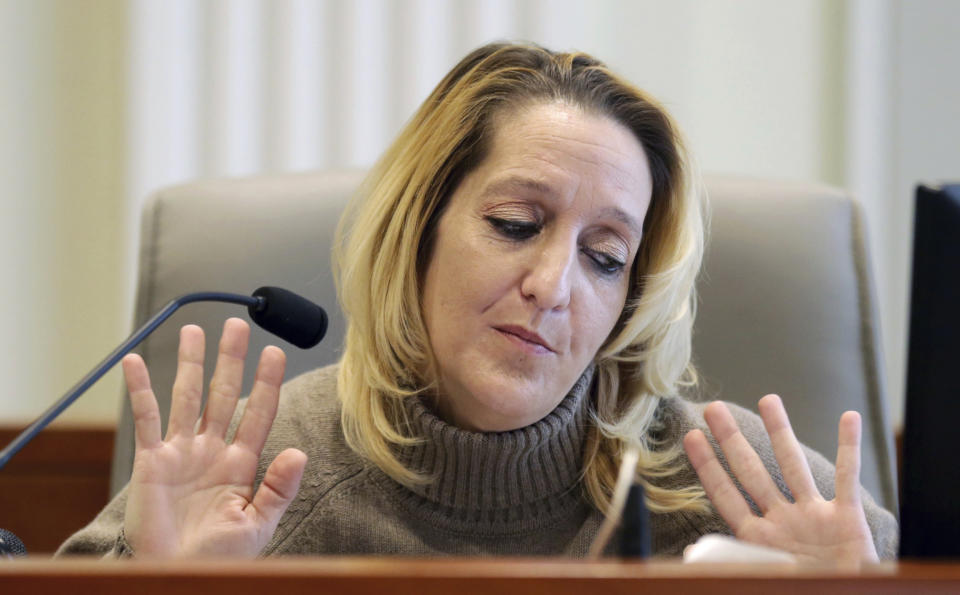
{"x": 810, "y": 527}
{"x": 192, "y": 492}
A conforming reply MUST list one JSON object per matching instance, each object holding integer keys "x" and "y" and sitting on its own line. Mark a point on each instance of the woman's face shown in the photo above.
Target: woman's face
{"x": 531, "y": 264}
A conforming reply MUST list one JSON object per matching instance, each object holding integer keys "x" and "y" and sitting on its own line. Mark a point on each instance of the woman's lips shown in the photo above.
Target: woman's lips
{"x": 526, "y": 339}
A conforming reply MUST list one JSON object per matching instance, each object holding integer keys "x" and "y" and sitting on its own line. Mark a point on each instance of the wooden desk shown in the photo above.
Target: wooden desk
{"x": 356, "y": 576}
{"x": 65, "y": 472}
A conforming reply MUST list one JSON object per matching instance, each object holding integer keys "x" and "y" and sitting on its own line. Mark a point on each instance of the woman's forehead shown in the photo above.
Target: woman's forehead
{"x": 552, "y": 150}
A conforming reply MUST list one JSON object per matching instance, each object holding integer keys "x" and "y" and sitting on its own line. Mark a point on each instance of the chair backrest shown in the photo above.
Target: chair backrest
{"x": 785, "y": 297}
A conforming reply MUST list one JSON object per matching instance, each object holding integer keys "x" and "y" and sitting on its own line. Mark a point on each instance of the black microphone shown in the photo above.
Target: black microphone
{"x": 635, "y": 535}
{"x": 10, "y": 545}
{"x": 279, "y": 311}
{"x": 294, "y": 319}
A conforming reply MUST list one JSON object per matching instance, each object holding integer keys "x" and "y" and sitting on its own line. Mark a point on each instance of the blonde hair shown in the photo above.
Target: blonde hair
{"x": 385, "y": 238}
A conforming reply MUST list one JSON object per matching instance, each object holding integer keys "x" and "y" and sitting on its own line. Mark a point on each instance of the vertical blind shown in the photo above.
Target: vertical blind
{"x": 233, "y": 87}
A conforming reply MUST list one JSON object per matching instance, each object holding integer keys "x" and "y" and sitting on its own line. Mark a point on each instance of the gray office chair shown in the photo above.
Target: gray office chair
{"x": 785, "y": 306}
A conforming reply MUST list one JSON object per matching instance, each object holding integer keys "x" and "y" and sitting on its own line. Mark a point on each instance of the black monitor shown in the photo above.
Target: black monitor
{"x": 930, "y": 493}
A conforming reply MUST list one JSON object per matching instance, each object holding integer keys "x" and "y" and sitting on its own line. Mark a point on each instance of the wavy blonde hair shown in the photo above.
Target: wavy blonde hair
{"x": 385, "y": 238}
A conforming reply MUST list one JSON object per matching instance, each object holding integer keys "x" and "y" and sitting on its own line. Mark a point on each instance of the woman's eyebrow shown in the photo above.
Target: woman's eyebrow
{"x": 514, "y": 185}
{"x": 623, "y": 217}
{"x": 517, "y": 185}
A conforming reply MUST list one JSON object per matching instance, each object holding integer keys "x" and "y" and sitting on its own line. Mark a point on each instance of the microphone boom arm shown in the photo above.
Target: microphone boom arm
{"x": 252, "y": 302}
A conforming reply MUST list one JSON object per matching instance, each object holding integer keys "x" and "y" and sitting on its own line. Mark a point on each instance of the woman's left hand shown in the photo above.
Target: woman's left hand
{"x": 811, "y": 528}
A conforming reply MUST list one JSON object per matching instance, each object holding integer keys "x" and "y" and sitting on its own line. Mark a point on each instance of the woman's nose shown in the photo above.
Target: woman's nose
{"x": 549, "y": 281}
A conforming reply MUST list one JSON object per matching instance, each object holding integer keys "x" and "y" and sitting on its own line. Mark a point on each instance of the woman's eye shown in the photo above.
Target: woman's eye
{"x": 515, "y": 229}
{"x": 605, "y": 263}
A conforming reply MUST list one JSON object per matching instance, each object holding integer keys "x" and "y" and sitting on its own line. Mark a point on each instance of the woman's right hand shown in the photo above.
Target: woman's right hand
{"x": 191, "y": 493}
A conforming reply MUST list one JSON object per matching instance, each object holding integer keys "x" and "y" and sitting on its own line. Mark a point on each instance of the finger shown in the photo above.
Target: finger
{"x": 847, "y": 478}
{"x": 721, "y": 490}
{"x": 744, "y": 461}
{"x": 793, "y": 463}
{"x": 143, "y": 403}
{"x": 278, "y": 488}
{"x": 262, "y": 405}
{"x": 188, "y": 385}
{"x": 227, "y": 378}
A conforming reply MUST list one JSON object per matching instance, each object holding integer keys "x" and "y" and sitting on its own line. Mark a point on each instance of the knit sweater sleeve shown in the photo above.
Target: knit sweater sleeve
{"x": 103, "y": 536}
{"x": 883, "y": 525}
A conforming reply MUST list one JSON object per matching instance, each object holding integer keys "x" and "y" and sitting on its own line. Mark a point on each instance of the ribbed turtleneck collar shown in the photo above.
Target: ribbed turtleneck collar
{"x": 496, "y": 476}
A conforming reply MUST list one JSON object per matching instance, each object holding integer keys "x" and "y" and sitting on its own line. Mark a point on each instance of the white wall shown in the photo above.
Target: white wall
{"x": 225, "y": 88}
{"x": 115, "y": 98}
{"x": 62, "y": 230}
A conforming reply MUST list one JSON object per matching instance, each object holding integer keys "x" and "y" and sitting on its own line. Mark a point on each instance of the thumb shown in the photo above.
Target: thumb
{"x": 279, "y": 486}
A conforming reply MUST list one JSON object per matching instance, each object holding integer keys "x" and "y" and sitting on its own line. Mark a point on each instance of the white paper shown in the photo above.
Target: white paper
{"x": 715, "y": 548}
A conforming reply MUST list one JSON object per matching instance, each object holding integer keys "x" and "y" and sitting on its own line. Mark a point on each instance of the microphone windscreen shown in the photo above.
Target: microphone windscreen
{"x": 291, "y": 317}
{"x": 10, "y": 545}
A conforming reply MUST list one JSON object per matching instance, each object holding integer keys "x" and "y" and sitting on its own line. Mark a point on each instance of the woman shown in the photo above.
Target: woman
{"x": 518, "y": 284}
